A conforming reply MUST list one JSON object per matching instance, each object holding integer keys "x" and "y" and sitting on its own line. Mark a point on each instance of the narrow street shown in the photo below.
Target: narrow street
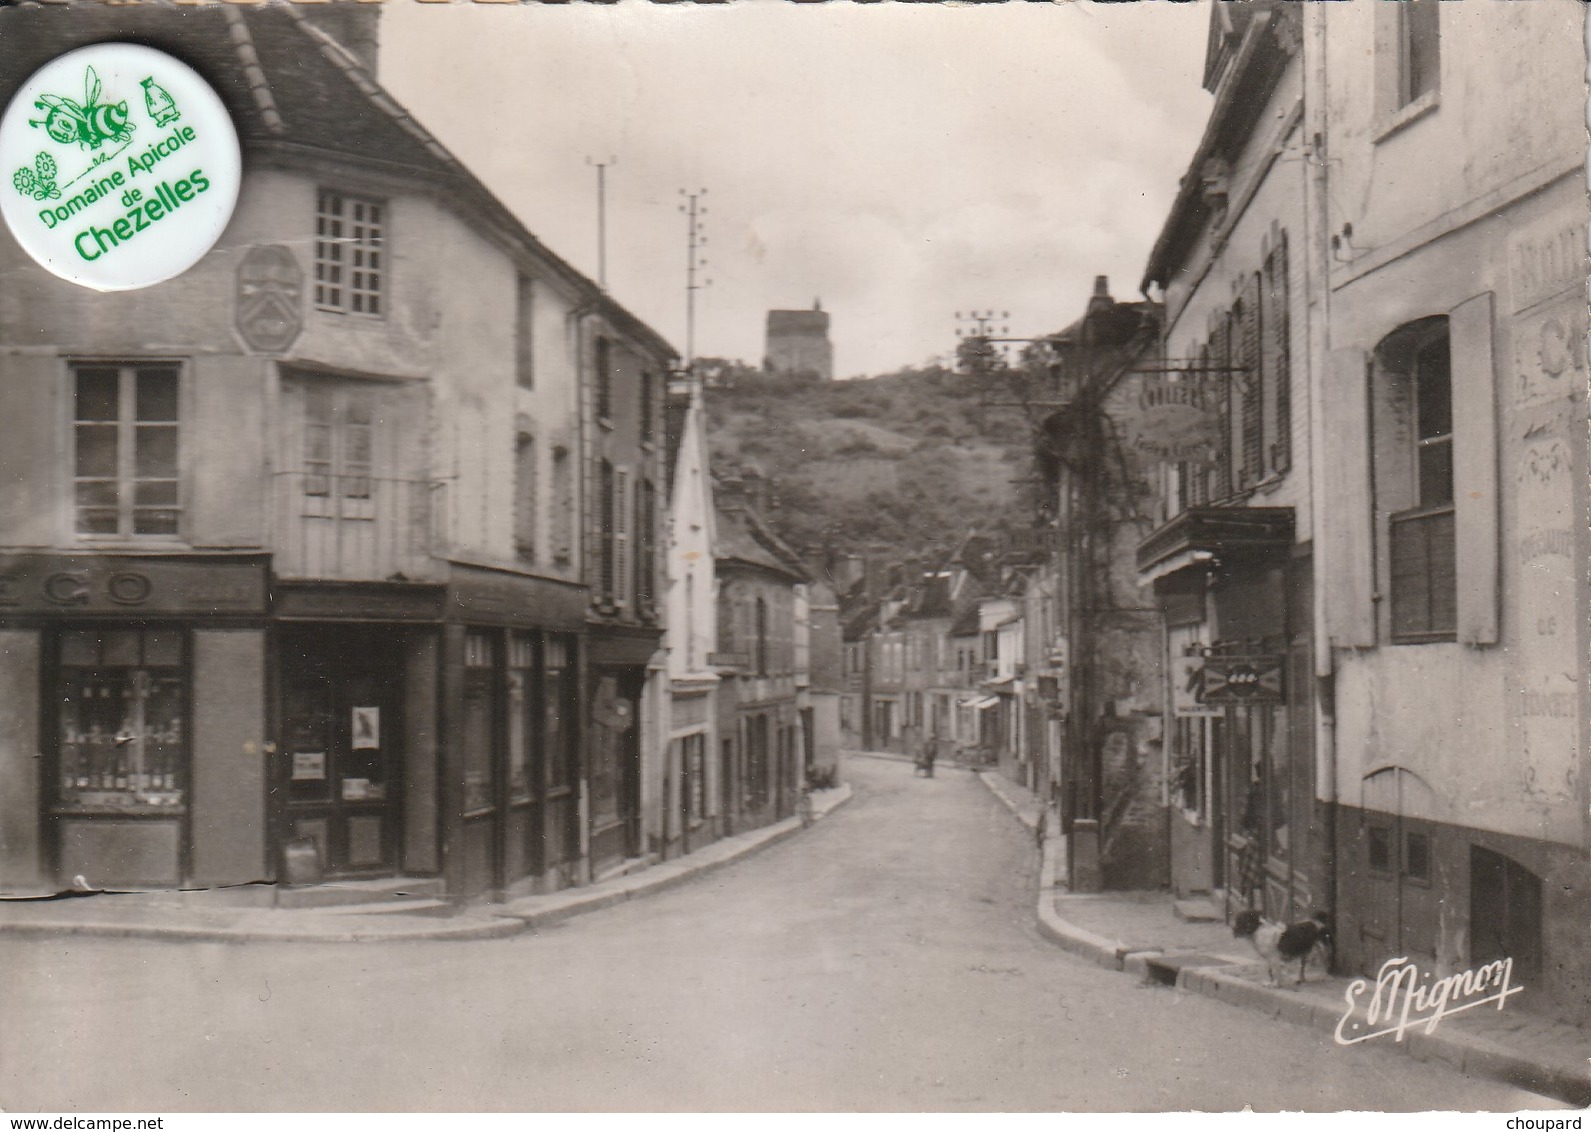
{"x": 885, "y": 960}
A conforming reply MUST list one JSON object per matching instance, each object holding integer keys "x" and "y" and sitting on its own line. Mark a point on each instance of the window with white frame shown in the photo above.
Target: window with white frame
{"x": 1414, "y": 479}
{"x": 126, "y": 450}
{"x": 350, "y": 271}
{"x": 1419, "y": 45}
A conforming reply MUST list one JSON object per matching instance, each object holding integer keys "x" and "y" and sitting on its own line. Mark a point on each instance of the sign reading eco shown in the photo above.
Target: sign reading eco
{"x": 121, "y": 167}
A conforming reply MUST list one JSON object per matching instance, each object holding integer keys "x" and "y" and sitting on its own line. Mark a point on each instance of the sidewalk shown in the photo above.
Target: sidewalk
{"x": 1149, "y": 934}
{"x": 250, "y": 913}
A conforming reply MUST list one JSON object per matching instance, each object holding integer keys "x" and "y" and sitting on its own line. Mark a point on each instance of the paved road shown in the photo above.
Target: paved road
{"x": 885, "y": 960}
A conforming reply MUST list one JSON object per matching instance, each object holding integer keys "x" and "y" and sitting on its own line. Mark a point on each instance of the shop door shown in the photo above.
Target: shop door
{"x": 340, "y": 755}
{"x": 615, "y": 769}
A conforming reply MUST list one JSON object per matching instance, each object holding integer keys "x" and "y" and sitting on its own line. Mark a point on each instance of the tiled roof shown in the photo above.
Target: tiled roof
{"x": 284, "y": 81}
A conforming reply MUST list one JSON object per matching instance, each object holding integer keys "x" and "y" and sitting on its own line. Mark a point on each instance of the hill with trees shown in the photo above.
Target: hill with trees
{"x": 909, "y": 461}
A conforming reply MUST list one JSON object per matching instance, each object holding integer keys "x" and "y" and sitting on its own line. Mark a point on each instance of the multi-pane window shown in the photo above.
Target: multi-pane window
{"x": 1424, "y": 580}
{"x": 126, "y": 450}
{"x": 349, "y": 251}
{"x": 1419, "y": 49}
{"x": 338, "y": 442}
{"x": 525, "y": 498}
{"x": 121, "y": 702}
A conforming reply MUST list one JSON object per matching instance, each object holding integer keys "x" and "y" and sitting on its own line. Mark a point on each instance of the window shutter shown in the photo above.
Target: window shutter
{"x": 1278, "y": 329}
{"x": 1475, "y": 485}
{"x": 1347, "y": 565}
{"x": 605, "y": 500}
{"x": 1221, "y": 358}
{"x": 38, "y": 477}
{"x": 623, "y": 523}
{"x": 228, "y": 498}
{"x": 1251, "y": 385}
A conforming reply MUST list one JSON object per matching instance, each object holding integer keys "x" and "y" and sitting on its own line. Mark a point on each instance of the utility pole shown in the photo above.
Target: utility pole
{"x": 695, "y": 240}
{"x": 602, "y": 218}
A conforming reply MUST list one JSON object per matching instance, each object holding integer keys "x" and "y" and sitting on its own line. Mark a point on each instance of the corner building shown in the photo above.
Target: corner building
{"x": 292, "y": 550}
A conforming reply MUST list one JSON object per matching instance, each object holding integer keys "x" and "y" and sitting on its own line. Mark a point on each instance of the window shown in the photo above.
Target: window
{"x": 1417, "y": 856}
{"x": 126, "y": 450}
{"x": 522, "y": 710}
{"x": 348, "y": 253}
{"x": 648, "y": 395}
{"x": 1419, "y": 49}
{"x": 524, "y": 332}
{"x": 480, "y": 709}
{"x": 561, "y": 535}
{"x": 525, "y": 498}
{"x": 1380, "y": 848}
{"x": 121, "y": 699}
{"x": 761, "y": 638}
{"x": 1415, "y": 480}
{"x": 558, "y": 689}
{"x": 339, "y": 442}
{"x": 602, "y": 396}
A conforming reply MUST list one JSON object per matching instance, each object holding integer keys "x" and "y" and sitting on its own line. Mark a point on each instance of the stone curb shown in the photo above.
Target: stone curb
{"x": 499, "y": 924}
{"x": 661, "y": 877}
{"x": 1472, "y": 1055}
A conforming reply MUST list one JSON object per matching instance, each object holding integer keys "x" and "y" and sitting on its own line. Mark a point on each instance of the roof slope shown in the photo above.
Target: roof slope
{"x": 285, "y": 81}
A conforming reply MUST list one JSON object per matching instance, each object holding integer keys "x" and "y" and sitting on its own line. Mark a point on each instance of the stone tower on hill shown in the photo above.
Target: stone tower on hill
{"x": 798, "y": 343}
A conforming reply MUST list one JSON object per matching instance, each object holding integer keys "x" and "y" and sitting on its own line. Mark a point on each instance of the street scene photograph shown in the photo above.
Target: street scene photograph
{"x": 863, "y": 557}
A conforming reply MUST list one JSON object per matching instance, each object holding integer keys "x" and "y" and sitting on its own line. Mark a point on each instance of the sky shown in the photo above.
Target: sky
{"x": 899, "y": 162}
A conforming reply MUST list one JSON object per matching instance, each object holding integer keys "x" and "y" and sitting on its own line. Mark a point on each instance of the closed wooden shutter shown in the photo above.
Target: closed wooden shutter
{"x": 1278, "y": 333}
{"x": 1251, "y": 386}
{"x": 605, "y": 502}
{"x": 1221, "y": 360}
{"x": 225, "y": 485}
{"x": 1347, "y": 562}
{"x": 1475, "y": 486}
{"x": 623, "y": 525}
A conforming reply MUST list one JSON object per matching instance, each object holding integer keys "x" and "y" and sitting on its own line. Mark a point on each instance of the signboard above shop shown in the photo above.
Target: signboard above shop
{"x": 1174, "y": 418}
{"x": 59, "y": 585}
{"x": 1242, "y": 680}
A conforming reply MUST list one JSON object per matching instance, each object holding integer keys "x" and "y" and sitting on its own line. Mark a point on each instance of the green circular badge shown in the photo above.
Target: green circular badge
{"x": 120, "y": 166}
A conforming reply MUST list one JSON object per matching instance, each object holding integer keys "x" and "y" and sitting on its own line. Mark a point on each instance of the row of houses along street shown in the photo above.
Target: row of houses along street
{"x": 380, "y": 544}
{"x": 1300, "y": 621}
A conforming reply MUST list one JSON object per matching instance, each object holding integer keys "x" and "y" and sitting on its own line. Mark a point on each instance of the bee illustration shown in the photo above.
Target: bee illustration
{"x": 90, "y": 124}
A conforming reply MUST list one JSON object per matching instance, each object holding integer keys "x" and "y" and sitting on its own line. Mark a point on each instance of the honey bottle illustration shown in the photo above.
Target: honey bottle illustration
{"x": 158, "y": 101}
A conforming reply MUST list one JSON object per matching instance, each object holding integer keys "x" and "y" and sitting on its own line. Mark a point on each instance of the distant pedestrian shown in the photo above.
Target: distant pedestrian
{"x": 930, "y": 753}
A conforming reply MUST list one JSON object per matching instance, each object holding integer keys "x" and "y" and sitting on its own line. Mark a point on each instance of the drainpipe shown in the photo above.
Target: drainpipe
{"x": 1317, "y": 272}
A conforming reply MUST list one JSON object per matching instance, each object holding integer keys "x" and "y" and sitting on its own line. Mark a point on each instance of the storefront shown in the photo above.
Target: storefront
{"x": 136, "y": 747}
{"x": 1236, "y": 594}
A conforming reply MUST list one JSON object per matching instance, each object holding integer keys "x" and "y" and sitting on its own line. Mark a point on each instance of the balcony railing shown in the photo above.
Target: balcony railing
{"x": 357, "y": 527}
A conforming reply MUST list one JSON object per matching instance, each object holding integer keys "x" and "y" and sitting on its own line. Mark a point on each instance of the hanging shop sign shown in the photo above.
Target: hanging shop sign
{"x": 1174, "y": 419}
{"x": 1242, "y": 680}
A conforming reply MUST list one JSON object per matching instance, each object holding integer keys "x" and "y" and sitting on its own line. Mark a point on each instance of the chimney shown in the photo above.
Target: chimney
{"x": 352, "y": 23}
{"x": 1101, "y": 299}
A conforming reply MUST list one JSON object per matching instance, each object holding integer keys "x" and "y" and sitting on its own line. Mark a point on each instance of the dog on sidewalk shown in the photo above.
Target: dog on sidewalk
{"x": 1279, "y": 944}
